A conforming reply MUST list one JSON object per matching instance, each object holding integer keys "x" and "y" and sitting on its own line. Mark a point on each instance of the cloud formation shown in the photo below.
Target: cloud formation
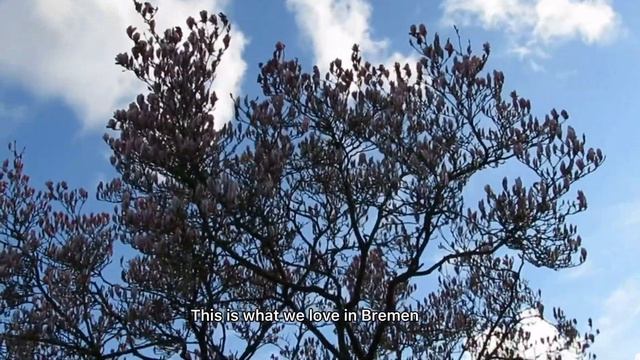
{"x": 538, "y": 345}
{"x": 619, "y": 321}
{"x": 534, "y": 23}
{"x": 65, "y": 49}
{"x": 333, "y": 26}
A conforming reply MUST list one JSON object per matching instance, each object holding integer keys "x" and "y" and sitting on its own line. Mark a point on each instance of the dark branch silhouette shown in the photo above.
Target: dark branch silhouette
{"x": 334, "y": 192}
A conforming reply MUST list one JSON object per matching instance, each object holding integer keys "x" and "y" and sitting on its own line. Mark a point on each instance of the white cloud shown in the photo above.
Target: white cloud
{"x": 539, "y": 343}
{"x": 333, "y": 26}
{"x": 229, "y": 78}
{"x": 512, "y": 14}
{"x": 619, "y": 321}
{"x": 65, "y": 49}
{"x": 637, "y": 357}
{"x": 535, "y": 66}
{"x": 540, "y": 331}
{"x": 592, "y": 21}
{"x": 534, "y": 23}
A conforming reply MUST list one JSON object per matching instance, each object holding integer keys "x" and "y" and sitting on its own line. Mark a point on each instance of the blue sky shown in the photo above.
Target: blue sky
{"x": 59, "y": 86}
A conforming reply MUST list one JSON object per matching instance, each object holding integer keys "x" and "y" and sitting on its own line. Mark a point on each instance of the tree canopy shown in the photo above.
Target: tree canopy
{"x": 339, "y": 193}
